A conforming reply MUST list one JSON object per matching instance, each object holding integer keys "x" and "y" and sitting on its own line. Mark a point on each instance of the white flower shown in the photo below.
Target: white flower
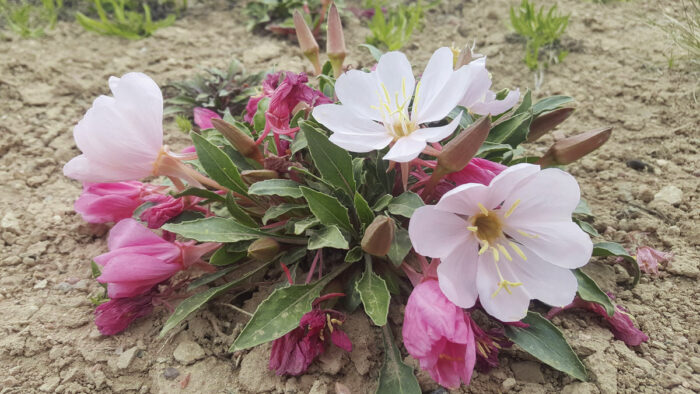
{"x": 478, "y": 97}
{"x": 374, "y": 106}
{"x": 121, "y": 137}
{"x": 506, "y": 243}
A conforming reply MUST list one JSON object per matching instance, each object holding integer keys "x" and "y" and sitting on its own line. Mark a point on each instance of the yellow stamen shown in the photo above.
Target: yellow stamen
{"x": 483, "y": 209}
{"x": 473, "y": 228}
{"x": 512, "y": 208}
{"x": 496, "y": 255}
{"x": 505, "y": 252}
{"x": 504, "y": 285}
{"x": 524, "y": 234}
{"x": 403, "y": 87}
{"x": 329, "y": 322}
{"x": 484, "y": 247}
{"x": 517, "y": 250}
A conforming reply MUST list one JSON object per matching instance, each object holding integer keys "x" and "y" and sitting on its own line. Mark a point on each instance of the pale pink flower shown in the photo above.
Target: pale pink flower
{"x": 111, "y": 202}
{"x": 203, "y": 117}
{"x": 650, "y": 259}
{"x": 138, "y": 259}
{"x": 374, "y": 106}
{"x": 439, "y": 335}
{"x": 478, "y": 97}
{"x": 506, "y": 243}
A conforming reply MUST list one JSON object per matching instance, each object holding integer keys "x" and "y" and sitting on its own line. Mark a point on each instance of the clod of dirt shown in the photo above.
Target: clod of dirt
{"x": 127, "y": 357}
{"x": 527, "y": 371}
{"x": 171, "y": 373}
{"x": 669, "y": 195}
{"x": 188, "y": 352}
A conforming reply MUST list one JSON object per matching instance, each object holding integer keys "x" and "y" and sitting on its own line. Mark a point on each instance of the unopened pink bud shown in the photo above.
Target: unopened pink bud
{"x": 335, "y": 44}
{"x": 307, "y": 42}
{"x": 547, "y": 122}
{"x": 570, "y": 149}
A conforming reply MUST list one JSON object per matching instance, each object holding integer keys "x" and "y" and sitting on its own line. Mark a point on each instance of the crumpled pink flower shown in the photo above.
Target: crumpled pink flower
{"x": 203, "y": 117}
{"x": 477, "y": 171}
{"x": 167, "y": 207}
{"x": 294, "y": 352}
{"x": 138, "y": 259}
{"x": 488, "y": 344}
{"x": 621, "y": 324}
{"x": 115, "y": 315}
{"x": 650, "y": 259}
{"x": 439, "y": 335}
{"x": 112, "y": 202}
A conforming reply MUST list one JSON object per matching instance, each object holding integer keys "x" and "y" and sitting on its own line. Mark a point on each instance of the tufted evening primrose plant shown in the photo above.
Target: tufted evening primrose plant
{"x": 299, "y": 197}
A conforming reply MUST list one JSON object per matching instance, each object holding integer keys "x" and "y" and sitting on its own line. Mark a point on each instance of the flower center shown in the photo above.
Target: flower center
{"x": 394, "y": 110}
{"x": 489, "y": 227}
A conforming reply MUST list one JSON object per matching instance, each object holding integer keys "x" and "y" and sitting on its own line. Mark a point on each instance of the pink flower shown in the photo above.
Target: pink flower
{"x": 111, "y": 202}
{"x": 477, "y": 171}
{"x": 649, "y": 259}
{"x": 439, "y": 335}
{"x": 293, "y": 353}
{"x": 488, "y": 344}
{"x": 117, "y": 314}
{"x": 478, "y": 97}
{"x": 203, "y": 117}
{"x": 139, "y": 259}
{"x": 621, "y": 324}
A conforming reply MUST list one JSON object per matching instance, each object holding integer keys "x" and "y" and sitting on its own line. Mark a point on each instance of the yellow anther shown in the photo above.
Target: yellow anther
{"x": 329, "y": 322}
{"x": 415, "y": 98}
{"x": 524, "y": 234}
{"x": 496, "y": 255}
{"x": 505, "y": 252}
{"x": 337, "y": 322}
{"x": 483, "y": 209}
{"x": 484, "y": 247}
{"x": 517, "y": 250}
{"x": 504, "y": 284}
{"x": 386, "y": 93}
{"x": 473, "y": 228}
{"x": 403, "y": 87}
{"x": 512, "y": 208}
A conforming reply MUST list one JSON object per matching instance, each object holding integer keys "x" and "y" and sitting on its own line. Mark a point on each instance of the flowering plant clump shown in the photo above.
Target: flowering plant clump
{"x": 346, "y": 189}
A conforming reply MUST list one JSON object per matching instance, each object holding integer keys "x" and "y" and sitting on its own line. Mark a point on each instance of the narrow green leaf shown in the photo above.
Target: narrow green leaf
{"x": 238, "y": 213}
{"x": 375, "y": 296}
{"x": 333, "y": 162}
{"x": 276, "y": 187}
{"x": 550, "y": 103}
{"x": 354, "y": 255}
{"x": 587, "y": 227}
{"x": 218, "y": 165}
{"x": 216, "y": 229}
{"x": 224, "y": 256}
{"x": 583, "y": 208}
{"x": 279, "y": 210}
{"x": 512, "y": 131}
{"x": 604, "y": 249}
{"x": 400, "y": 246}
{"x": 395, "y": 377}
{"x": 299, "y": 143}
{"x": 280, "y": 313}
{"x": 589, "y": 291}
{"x": 352, "y": 298}
{"x": 364, "y": 212}
{"x": 197, "y": 192}
{"x": 405, "y": 204}
{"x": 544, "y": 341}
{"x": 382, "y": 202}
{"x": 303, "y": 225}
{"x": 208, "y": 278}
{"x": 328, "y": 237}
{"x": 327, "y": 209}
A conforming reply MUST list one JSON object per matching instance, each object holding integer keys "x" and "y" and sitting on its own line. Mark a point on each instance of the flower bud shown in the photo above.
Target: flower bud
{"x": 546, "y": 122}
{"x": 378, "y": 236}
{"x": 459, "y": 151}
{"x": 263, "y": 249}
{"x": 335, "y": 43}
{"x": 307, "y": 42}
{"x": 570, "y": 149}
{"x": 252, "y": 176}
{"x": 240, "y": 140}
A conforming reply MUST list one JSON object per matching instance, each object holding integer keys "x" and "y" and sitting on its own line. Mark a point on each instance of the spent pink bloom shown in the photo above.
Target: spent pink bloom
{"x": 477, "y": 171}
{"x": 478, "y": 97}
{"x": 115, "y": 315}
{"x": 138, "y": 259}
{"x": 650, "y": 259}
{"x": 203, "y": 117}
{"x": 506, "y": 243}
{"x": 488, "y": 345}
{"x": 439, "y": 335}
{"x": 621, "y": 324}
{"x": 112, "y": 202}
{"x": 294, "y": 352}
{"x": 167, "y": 207}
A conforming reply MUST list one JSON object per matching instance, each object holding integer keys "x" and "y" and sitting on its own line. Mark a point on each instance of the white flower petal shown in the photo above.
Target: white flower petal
{"x": 84, "y": 170}
{"x": 457, "y": 274}
{"x": 549, "y": 195}
{"x": 496, "y": 107}
{"x": 445, "y": 99}
{"x": 342, "y": 119}
{"x": 395, "y": 74}
{"x": 503, "y": 184}
{"x": 361, "y": 143}
{"x": 139, "y": 96}
{"x": 503, "y": 305}
{"x": 560, "y": 243}
{"x": 432, "y": 82}
{"x": 405, "y": 149}
{"x": 464, "y": 199}
{"x": 437, "y": 134}
{"x": 436, "y": 233}
{"x": 550, "y": 284}
{"x": 478, "y": 82}
{"x": 357, "y": 90}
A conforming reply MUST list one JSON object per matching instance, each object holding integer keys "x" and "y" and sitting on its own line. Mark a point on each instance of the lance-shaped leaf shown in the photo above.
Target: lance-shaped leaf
{"x": 400, "y": 246}
{"x": 589, "y": 291}
{"x": 395, "y": 377}
{"x": 328, "y": 237}
{"x": 280, "y": 313}
{"x": 216, "y": 229}
{"x": 276, "y": 187}
{"x": 279, "y": 210}
{"x": 303, "y": 225}
{"x": 605, "y": 249}
{"x": 195, "y": 191}
{"x": 550, "y": 103}
{"x": 405, "y": 204}
{"x": 327, "y": 209}
{"x": 375, "y": 296}
{"x": 218, "y": 165}
{"x": 238, "y": 213}
{"x": 544, "y": 341}
{"x": 224, "y": 256}
{"x": 512, "y": 131}
{"x": 364, "y": 212}
{"x": 333, "y": 162}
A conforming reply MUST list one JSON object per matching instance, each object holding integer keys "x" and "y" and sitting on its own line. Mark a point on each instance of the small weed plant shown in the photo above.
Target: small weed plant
{"x": 276, "y": 15}
{"x": 29, "y": 18}
{"x": 126, "y": 18}
{"x": 684, "y": 31}
{"x": 541, "y": 31}
{"x": 392, "y": 27}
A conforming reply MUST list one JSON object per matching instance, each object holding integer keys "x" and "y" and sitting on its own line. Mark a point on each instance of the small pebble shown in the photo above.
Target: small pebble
{"x": 171, "y": 373}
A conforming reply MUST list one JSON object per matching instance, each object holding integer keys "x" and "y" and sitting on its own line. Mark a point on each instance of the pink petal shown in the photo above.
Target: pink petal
{"x": 203, "y": 117}
{"x": 457, "y": 274}
{"x": 436, "y": 233}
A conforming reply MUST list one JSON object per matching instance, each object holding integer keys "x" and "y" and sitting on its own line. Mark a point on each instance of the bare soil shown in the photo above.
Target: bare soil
{"x": 617, "y": 71}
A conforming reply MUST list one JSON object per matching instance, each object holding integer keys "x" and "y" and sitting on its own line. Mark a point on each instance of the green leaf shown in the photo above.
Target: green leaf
{"x": 299, "y": 142}
{"x": 550, "y": 103}
{"x": 382, "y": 202}
{"x": 218, "y": 165}
{"x": 327, "y": 209}
{"x": 354, "y": 255}
{"x": 512, "y": 131}
{"x": 238, "y": 213}
{"x": 405, "y": 204}
{"x": 279, "y": 210}
{"x": 589, "y": 291}
{"x": 195, "y": 191}
{"x": 196, "y": 301}
{"x": 604, "y": 249}
{"x": 208, "y": 278}
{"x": 395, "y": 377}
{"x": 333, "y": 162}
{"x": 583, "y": 208}
{"x": 280, "y": 313}
{"x": 303, "y": 225}
{"x": 587, "y": 227}
{"x": 544, "y": 341}
{"x": 400, "y": 246}
{"x": 96, "y": 271}
{"x": 276, "y": 187}
{"x": 224, "y": 256}
{"x": 352, "y": 298}
{"x": 364, "y": 212}
{"x": 374, "y": 51}
{"x": 216, "y": 229}
{"x": 327, "y": 237}
{"x": 375, "y": 296}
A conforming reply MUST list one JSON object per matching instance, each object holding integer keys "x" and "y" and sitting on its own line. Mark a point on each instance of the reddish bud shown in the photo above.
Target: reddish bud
{"x": 252, "y": 176}
{"x": 570, "y": 149}
{"x": 240, "y": 140}
{"x": 307, "y": 42}
{"x": 460, "y": 150}
{"x": 335, "y": 43}
{"x": 378, "y": 236}
{"x": 547, "y": 122}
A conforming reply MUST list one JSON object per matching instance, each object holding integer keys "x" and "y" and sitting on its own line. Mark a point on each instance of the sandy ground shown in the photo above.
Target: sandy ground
{"x": 617, "y": 71}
